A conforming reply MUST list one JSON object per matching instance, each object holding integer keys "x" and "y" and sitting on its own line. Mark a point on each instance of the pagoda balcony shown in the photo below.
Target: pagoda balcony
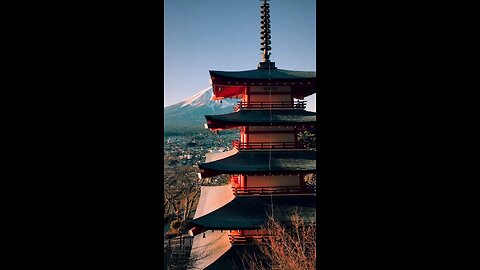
{"x": 299, "y": 104}
{"x": 246, "y": 239}
{"x": 267, "y": 145}
{"x": 239, "y": 191}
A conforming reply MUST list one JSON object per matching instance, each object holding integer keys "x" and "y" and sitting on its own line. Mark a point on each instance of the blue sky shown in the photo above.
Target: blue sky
{"x": 225, "y": 35}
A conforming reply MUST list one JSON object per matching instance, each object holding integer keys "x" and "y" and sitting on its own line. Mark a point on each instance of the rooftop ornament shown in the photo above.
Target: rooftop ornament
{"x": 265, "y": 37}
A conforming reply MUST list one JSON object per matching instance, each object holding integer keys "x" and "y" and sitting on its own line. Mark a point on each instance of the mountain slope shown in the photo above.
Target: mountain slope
{"x": 189, "y": 115}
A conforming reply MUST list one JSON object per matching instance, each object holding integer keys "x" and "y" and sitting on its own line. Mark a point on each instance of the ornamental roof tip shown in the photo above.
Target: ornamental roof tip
{"x": 265, "y": 37}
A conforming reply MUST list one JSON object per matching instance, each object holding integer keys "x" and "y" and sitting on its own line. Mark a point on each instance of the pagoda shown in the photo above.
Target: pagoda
{"x": 267, "y": 164}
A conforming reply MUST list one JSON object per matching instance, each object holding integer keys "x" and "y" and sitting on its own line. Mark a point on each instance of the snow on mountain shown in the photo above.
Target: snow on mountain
{"x": 200, "y": 98}
{"x": 190, "y": 113}
{"x": 205, "y": 98}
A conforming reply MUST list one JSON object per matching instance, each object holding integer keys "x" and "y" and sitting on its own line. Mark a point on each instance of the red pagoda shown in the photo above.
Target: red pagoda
{"x": 267, "y": 164}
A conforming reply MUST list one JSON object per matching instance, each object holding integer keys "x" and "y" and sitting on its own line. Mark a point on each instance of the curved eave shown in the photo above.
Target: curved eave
{"x": 227, "y": 91}
{"x": 233, "y": 83}
{"x": 231, "y": 259}
{"x": 263, "y": 74}
{"x": 215, "y": 252}
{"x": 258, "y": 162}
{"x": 261, "y": 118}
{"x": 240, "y": 215}
{"x": 209, "y": 249}
{"x": 212, "y": 198}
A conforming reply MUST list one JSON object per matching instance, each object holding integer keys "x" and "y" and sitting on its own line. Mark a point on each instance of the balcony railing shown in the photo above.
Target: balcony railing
{"x": 246, "y": 239}
{"x": 273, "y": 190}
{"x": 299, "y": 104}
{"x": 267, "y": 145}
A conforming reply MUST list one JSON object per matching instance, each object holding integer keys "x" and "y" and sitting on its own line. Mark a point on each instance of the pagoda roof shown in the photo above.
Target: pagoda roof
{"x": 261, "y": 118}
{"x": 260, "y": 161}
{"x": 213, "y": 198}
{"x": 264, "y": 74}
{"x": 233, "y": 83}
{"x": 252, "y": 212}
{"x": 214, "y": 251}
{"x": 232, "y": 258}
{"x": 206, "y": 250}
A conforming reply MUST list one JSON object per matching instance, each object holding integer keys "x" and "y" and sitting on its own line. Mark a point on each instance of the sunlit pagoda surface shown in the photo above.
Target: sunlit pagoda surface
{"x": 267, "y": 164}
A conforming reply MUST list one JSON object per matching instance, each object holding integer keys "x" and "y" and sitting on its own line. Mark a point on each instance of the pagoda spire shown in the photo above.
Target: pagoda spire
{"x": 265, "y": 36}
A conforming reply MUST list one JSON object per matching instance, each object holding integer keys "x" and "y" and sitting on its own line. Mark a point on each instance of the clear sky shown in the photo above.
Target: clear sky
{"x": 203, "y": 35}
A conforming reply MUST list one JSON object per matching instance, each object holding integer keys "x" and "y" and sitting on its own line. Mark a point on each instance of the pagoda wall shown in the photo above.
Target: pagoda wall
{"x": 267, "y": 89}
{"x": 274, "y": 98}
{"x": 268, "y": 134}
{"x": 242, "y": 180}
{"x": 273, "y": 181}
{"x": 271, "y": 137}
{"x": 248, "y": 232}
{"x": 262, "y": 94}
{"x": 269, "y": 128}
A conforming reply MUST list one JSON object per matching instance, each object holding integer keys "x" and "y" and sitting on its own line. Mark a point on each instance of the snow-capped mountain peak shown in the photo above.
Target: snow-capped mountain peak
{"x": 190, "y": 113}
{"x": 200, "y": 98}
{"x": 205, "y": 98}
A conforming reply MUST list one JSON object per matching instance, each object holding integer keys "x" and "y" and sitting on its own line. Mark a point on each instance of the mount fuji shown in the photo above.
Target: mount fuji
{"x": 189, "y": 115}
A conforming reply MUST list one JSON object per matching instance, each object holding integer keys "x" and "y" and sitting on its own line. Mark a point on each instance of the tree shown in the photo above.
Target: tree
{"x": 287, "y": 247}
{"x": 177, "y": 256}
{"x": 310, "y": 179}
{"x": 309, "y": 139}
{"x": 181, "y": 191}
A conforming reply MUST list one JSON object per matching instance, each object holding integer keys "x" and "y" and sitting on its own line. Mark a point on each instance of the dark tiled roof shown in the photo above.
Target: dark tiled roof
{"x": 260, "y": 162}
{"x": 262, "y": 74}
{"x": 259, "y": 117}
{"x": 232, "y": 259}
{"x": 252, "y": 212}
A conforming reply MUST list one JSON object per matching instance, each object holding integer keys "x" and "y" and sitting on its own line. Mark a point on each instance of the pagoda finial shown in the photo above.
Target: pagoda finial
{"x": 265, "y": 36}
